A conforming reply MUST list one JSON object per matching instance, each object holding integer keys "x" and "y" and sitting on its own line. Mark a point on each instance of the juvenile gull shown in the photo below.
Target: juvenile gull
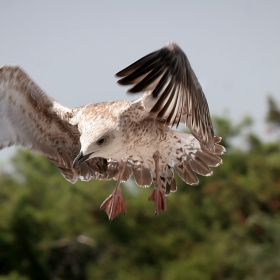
{"x": 113, "y": 140}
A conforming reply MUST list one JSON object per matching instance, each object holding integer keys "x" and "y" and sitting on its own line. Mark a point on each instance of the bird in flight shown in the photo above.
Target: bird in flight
{"x": 113, "y": 140}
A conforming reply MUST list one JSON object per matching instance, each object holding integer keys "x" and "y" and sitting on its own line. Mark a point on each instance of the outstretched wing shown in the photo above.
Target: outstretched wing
{"x": 173, "y": 93}
{"x": 30, "y": 118}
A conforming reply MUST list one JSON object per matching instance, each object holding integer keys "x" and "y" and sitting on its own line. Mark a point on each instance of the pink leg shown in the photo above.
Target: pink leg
{"x": 158, "y": 193}
{"x": 115, "y": 203}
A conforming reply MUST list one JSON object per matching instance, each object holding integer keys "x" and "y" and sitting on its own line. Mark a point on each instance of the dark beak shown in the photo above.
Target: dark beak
{"x": 80, "y": 158}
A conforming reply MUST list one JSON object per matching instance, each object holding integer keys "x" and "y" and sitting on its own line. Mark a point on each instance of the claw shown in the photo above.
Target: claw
{"x": 158, "y": 196}
{"x": 114, "y": 204}
{"x": 158, "y": 193}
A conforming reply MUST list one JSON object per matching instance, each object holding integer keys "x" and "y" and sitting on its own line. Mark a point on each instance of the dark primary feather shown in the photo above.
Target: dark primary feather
{"x": 176, "y": 93}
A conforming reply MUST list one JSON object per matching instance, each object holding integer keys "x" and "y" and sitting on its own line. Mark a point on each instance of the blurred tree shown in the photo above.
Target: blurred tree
{"x": 227, "y": 227}
{"x": 273, "y": 114}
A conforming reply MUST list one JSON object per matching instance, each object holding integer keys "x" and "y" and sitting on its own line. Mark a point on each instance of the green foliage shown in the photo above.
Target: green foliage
{"x": 273, "y": 114}
{"x": 228, "y": 131}
{"x": 227, "y": 227}
{"x": 13, "y": 276}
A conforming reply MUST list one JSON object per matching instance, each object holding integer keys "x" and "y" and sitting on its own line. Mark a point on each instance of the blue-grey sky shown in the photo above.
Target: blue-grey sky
{"x": 72, "y": 49}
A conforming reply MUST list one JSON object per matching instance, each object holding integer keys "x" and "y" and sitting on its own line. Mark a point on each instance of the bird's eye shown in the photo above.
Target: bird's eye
{"x": 100, "y": 141}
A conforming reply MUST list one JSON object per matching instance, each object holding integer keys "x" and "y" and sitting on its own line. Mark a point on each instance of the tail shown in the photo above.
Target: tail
{"x": 190, "y": 159}
{"x": 198, "y": 160}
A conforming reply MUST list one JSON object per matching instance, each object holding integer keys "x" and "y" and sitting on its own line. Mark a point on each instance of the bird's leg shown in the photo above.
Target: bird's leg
{"x": 115, "y": 203}
{"x": 158, "y": 193}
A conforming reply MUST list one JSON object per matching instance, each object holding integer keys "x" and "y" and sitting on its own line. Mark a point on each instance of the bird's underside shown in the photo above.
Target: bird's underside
{"x": 186, "y": 165}
{"x": 33, "y": 120}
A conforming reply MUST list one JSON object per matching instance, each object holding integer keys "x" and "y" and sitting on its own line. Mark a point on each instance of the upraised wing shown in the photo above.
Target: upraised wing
{"x": 31, "y": 119}
{"x": 173, "y": 93}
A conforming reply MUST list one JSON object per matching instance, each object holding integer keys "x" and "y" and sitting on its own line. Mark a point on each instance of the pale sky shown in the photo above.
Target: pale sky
{"x": 72, "y": 49}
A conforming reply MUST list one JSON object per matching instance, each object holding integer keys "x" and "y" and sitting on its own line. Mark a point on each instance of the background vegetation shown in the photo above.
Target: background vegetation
{"x": 227, "y": 227}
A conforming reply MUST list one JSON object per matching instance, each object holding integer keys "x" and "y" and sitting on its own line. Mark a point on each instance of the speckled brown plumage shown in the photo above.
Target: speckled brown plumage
{"x": 91, "y": 141}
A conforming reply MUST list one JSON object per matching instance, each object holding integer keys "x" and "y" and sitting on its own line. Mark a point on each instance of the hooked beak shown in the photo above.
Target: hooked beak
{"x": 80, "y": 158}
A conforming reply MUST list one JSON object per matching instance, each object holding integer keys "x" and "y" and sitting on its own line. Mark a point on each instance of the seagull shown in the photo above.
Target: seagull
{"x": 115, "y": 140}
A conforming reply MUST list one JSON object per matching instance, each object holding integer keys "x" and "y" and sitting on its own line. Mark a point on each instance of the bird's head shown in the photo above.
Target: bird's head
{"x": 97, "y": 140}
